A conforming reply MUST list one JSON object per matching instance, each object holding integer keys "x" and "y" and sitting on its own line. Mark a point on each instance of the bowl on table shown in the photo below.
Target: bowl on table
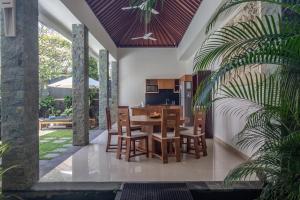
{"x": 154, "y": 115}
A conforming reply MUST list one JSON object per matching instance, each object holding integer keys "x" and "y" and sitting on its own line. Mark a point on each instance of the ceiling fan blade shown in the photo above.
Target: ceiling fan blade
{"x": 137, "y": 38}
{"x": 151, "y": 38}
{"x": 148, "y": 34}
{"x": 155, "y": 12}
{"x": 129, "y": 8}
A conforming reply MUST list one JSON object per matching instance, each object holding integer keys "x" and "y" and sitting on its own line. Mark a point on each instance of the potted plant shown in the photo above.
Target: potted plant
{"x": 271, "y": 101}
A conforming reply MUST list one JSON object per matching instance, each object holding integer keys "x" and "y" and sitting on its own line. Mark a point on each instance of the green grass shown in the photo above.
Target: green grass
{"x": 51, "y": 147}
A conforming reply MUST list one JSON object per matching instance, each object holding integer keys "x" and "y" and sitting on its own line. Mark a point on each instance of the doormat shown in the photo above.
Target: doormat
{"x": 155, "y": 191}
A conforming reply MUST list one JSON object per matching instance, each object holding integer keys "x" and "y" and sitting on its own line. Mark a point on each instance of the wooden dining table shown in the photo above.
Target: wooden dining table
{"x": 144, "y": 120}
{"x": 148, "y": 124}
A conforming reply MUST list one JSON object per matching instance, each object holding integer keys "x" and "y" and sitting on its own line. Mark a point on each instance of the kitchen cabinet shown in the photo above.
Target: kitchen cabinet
{"x": 166, "y": 84}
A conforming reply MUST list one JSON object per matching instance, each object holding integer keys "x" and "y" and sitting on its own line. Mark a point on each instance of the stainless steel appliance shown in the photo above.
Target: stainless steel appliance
{"x": 186, "y": 101}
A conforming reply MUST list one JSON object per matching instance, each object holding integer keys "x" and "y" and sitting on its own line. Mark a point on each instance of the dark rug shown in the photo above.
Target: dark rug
{"x": 155, "y": 191}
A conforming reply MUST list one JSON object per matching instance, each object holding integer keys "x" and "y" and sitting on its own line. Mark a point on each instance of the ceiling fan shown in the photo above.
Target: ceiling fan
{"x": 143, "y": 7}
{"x": 147, "y": 36}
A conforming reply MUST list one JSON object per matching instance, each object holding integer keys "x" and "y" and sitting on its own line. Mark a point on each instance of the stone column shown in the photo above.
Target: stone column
{"x": 19, "y": 91}
{"x": 103, "y": 87}
{"x": 114, "y": 90}
{"x": 80, "y": 56}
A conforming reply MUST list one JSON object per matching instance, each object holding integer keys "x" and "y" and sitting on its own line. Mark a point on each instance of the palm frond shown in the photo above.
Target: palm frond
{"x": 277, "y": 53}
{"x": 269, "y": 164}
{"x": 261, "y": 126}
{"x": 263, "y": 36}
{"x": 293, "y": 5}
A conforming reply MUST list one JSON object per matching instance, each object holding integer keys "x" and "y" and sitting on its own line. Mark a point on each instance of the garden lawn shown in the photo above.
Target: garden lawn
{"x": 53, "y": 143}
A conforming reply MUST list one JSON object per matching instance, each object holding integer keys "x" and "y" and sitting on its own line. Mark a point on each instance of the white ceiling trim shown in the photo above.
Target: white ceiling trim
{"x": 57, "y": 16}
{"x": 85, "y": 15}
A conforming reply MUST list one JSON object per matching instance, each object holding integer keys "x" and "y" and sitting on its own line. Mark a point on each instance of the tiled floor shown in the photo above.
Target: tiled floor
{"x": 93, "y": 164}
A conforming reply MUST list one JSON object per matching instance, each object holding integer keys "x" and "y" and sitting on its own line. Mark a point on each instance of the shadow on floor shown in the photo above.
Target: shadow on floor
{"x": 47, "y": 165}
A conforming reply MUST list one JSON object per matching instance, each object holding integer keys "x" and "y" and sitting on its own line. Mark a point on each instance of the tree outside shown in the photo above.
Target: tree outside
{"x": 55, "y": 54}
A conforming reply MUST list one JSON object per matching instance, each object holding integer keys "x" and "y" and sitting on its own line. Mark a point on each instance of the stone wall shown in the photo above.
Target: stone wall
{"x": 80, "y": 56}
{"x": 103, "y": 87}
{"x": 19, "y": 92}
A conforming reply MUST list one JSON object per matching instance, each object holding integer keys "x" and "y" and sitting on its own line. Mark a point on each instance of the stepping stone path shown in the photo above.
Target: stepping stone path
{"x": 44, "y": 141}
{"x": 67, "y": 145}
{"x": 49, "y": 138}
{"x": 65, "y": 138}
{"x": 60, "y": 150}
{"x": 51, "y": 155}
{"x": 59, "y": 141}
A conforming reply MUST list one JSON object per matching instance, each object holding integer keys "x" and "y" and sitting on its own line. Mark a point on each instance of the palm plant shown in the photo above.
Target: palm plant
{"x": 3, "y": 149}
{"x": 270, "y": 101}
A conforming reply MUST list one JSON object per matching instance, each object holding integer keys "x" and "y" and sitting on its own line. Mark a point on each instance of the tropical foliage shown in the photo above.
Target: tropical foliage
{"x": 54, "y": 54}
{"x": 3, "y": 149}
{"x": 47, "y": 106}
{"x": 270, "y": 101}
{"x": 93, "y": 68}
{"x": 55, "y": 57}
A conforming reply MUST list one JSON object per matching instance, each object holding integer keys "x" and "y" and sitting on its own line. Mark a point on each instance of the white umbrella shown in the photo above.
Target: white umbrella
{"x": 67, "y": 83}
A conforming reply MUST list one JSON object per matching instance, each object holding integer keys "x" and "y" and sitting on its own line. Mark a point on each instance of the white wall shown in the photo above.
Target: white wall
{"x": 138, "y": 64}
{"x": 195, "y": 34}
{"x": 227, "y": 126}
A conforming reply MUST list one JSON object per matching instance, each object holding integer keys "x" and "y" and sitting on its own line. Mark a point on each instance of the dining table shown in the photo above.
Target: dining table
{"x": 144, "y": 120}
{"x": 148, "y": 123}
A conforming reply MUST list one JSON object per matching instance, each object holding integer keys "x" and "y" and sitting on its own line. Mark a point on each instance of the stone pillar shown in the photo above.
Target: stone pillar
{"x": 19, "y": 91}
{"x": 80, "y": 56}
{"x": 103, "y": 87}
{"x": 114, "y": 90}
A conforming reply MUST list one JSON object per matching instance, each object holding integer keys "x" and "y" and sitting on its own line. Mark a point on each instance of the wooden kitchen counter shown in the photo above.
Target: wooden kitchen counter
{"x": 149, "y": 109}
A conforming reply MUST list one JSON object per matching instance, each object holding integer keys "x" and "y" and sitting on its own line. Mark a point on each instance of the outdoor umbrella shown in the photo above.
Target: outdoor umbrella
{"x": 67, "y": 83}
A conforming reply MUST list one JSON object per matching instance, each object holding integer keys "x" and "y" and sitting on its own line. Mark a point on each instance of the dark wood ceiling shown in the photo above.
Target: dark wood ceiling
{"x": 168, "y": 27}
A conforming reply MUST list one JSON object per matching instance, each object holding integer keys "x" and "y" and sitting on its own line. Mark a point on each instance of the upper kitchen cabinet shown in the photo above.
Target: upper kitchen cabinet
{"x": 166, "y": 84}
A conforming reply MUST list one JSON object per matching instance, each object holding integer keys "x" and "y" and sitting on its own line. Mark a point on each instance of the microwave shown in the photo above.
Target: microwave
{"x": 151, "y": 88}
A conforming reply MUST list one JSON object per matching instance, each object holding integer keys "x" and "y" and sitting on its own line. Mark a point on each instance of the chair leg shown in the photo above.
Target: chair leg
{"x": 128, "y": 149}
{"x": 197, "y": 147}
{"x": 147, "y": 146}
{"x": 181, "y": 142}
{"x": 164, "y": 150}
{"x": 119, "y": 150}
{"x": 177, "y": 150}
{"x": 203, "y": 140}
{"x": 188, "y": 145}
{"x": 133, "y": 147}
{"x": 108, "y": 141}
{"x": 170, "y": 148}
{"x": 153, "y": 149}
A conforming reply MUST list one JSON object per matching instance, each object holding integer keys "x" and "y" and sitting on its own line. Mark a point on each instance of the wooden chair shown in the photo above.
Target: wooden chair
{"x": 114, "y": 131}
{"x": 170, "y": 120}
{"x": 131, "y": 137}
{"x": 195, "y": 136}
{"x": 110, "y": 132}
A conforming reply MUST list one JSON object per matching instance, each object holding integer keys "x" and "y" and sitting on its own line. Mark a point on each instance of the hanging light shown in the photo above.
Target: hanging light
{"x": 9, "y": 12}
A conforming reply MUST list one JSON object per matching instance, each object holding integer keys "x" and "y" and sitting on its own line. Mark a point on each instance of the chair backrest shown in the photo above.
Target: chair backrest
{"x": 170, "y": 120}
{"x": 108, "y": 119}
{"x": 124, "y": 120}
{"x": 199, "y": 122}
